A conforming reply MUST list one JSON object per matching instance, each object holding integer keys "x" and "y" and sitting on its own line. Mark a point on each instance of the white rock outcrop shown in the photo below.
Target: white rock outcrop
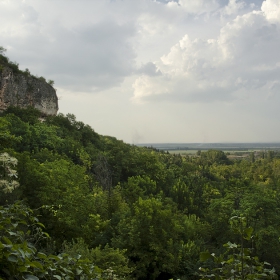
{"x": 23, "y": 90}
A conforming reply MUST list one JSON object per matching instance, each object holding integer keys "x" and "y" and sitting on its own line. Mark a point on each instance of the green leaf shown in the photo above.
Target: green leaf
{"x": 12, "y": 233}
{"x": 248, "y": 233}
{"x": 40, "y": 224}
{"x": 7, "y": 240}
{"x": 204, "y": 256}
{"x": 37, "y": 265}
{"x": 31, "y": 277}
{"x": 230, "y": 245}
{"x": 23, "y": 268}
{"x": 42, "y": 255}
{"x": 12, "y": 258}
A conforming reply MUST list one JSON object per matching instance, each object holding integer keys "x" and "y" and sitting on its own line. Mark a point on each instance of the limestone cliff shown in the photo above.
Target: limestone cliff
{"x": 23, "y": 90}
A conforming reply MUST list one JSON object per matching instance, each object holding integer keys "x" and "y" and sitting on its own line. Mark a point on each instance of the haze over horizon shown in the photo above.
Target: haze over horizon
{"x": 146, "y": 71}
{"x": 183, "y": 143}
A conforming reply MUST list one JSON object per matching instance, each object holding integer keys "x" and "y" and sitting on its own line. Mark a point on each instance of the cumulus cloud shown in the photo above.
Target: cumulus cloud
{"x": 233, "y": 7}
{"x": 271, "y": 9}
{"x": 241, "y": 60}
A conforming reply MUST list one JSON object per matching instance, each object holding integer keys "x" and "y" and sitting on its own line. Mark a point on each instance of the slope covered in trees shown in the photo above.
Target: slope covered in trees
{"x": 133, "y": 212}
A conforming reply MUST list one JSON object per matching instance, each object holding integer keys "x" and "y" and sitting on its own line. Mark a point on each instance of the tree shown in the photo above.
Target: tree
{"x": 2, "y": 50}
{"x": 252, "y": 156}
{"x": 63, "y": 189}
{"x": 109, "y": 259}
{"x": 138, "y": 186}
{"x": 51, "y": 82}
{"x": 214, "y": 156}
{"x": 160, "y": 242}
{"x": 7, "y": 139}
{"x": 20, "y": 258}
{"x": 238, "y": 261}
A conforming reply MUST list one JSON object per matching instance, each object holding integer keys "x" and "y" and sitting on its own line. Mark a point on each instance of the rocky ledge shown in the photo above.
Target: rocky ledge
{"x": 24, "y": 90}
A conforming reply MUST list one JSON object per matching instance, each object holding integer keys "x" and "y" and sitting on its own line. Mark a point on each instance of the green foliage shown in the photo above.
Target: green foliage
{"x": 63, "y": 189}
{"x": 7, "y": 173}
{"x": 21, "y": 232}
{"x": 2, "y": 50}
{"x": 214, "y": 156}
{"x": 237, "y": 262}
{"x": 29, "y": 115}
{"x": 42, "y": 79}
{"x": 110, "y": 260}
{"x": 3, "y": 59}
{"x": 141, "y": 213}
{"x": 35, "y": 136}
{"x": 157, "y": 238}
{"x": 51, "y": 82}
{"x": 27, "y": 72}
{"x": 14, "y": 67}
{"x": 7, "y": 139}
{"x": 138, "y": 186}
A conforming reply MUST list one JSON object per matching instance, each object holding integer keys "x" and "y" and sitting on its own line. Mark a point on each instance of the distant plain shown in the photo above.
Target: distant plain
{"x": 228, "y": 148}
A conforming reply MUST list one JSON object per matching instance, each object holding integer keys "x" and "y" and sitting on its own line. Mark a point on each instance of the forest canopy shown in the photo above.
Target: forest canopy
{"x": 79, "y": 205}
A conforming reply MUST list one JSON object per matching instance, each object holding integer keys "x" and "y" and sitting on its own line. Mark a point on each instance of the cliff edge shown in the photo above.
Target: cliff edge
{"x": 23, "y": 90}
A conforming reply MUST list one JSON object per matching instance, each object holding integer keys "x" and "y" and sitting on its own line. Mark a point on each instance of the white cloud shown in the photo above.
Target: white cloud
{"x": 198, "y": 6}
{"x": 271, "y": 9}
{"x": 233, "y": 7}
{"x": 243, "y": 57}
{"x": 144, "y": 86}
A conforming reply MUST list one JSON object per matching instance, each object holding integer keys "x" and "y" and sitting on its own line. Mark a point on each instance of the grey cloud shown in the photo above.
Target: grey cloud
{"x": 210, "y": 95}
{"x": 275, "y": 88}
{"x": 83, "y": 57}
{"x": 149, "y": 69}
{"x": 94, "y": 57}
{"x": 167, "y": 1}
{"x": 256, "y": 3}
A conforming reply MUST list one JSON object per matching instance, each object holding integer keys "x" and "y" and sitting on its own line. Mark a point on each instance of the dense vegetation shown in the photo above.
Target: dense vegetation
{"x": 117, "y": 211}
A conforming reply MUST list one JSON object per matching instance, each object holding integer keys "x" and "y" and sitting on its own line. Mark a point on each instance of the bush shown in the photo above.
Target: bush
{"x": 21, "y": 235}
{"x": 112, "y": 261}
{"x": 237, "y": 262}
{"x": 51, "y": 82}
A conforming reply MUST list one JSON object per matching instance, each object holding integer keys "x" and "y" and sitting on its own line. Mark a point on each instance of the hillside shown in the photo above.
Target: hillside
{"x": 145, "y": 214}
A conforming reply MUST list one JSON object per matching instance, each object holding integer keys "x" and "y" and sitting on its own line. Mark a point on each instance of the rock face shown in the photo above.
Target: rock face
{"x": 23, "y": 90}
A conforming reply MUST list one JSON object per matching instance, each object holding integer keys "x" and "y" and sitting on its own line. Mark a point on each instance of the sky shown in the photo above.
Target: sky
{"x": 146, "y": 71}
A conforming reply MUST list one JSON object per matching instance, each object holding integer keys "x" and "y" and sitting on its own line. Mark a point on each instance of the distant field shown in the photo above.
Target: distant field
{"x": 183, "y": 152}
{"x": 230, "y": 148}
{"x": 193, "y": 152}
